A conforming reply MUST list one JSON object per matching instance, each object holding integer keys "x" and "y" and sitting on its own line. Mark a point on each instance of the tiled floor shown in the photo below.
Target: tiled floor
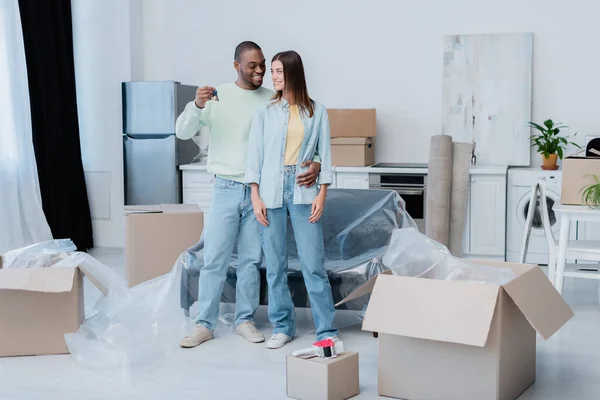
{"x": 230, "y": 368}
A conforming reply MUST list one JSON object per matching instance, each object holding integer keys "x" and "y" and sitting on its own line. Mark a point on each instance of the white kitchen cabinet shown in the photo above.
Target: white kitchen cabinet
{"x": 487, "y": 219}
{"x": 197, "y": 187}
{"x": 352, "y": 180}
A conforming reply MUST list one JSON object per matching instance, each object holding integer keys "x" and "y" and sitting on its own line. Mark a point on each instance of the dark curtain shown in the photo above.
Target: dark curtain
{"x": 47, "y": 34}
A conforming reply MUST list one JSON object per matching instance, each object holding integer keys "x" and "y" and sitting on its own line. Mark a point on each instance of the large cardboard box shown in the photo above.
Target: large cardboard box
{"x": 352, "y": 122}
{"x": 352, "y": 152}
{"x": 38, "y": 306}
{"x": 443, "y": 339}
{"x": 578, "y": 173}
{"x": 156, "y": 236}
{"x": 323, "y": 379}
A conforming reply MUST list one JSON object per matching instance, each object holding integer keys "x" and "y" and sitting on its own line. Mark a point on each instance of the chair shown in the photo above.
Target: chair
{"x": 588, "y": 250}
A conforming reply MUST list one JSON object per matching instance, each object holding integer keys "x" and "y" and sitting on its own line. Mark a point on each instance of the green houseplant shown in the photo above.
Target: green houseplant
{"x": 591, "y": 193}
{"x": 549, "y": 143}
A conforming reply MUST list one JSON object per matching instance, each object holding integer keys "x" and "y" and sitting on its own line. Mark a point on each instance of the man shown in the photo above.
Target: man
{"x": 227, "y": 112}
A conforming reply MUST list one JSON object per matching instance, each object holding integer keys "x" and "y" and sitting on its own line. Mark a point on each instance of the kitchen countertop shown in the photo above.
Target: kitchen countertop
{"x": 475, "y": 169}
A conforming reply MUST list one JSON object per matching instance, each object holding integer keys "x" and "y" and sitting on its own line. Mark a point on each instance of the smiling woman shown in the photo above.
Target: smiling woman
{"x": 22, "y": 220}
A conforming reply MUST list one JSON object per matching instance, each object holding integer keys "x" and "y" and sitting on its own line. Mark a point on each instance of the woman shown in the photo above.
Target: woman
{"x": 285, "y": 134}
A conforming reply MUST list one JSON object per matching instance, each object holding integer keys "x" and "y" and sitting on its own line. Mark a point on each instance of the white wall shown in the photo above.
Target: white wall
{"x": 383, "y": 54}
{"x": 376, "y": 53}
{"x": 107, "y": 50}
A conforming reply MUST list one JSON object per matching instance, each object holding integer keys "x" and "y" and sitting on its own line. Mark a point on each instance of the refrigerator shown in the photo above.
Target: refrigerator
{"x": 151, "y": 151}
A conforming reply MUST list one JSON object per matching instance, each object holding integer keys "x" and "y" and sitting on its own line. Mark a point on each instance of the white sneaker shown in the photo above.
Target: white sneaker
{"x": 198, "y": 336}
{"x": 278, "y": 340}
{"x": 249, "y": 331}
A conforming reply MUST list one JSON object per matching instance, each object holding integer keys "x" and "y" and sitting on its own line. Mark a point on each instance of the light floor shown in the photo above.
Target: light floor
{"x": 231, "y": 368}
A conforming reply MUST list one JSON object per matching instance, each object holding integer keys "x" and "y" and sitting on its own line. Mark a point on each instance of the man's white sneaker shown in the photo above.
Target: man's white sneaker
{"x": 200, "y": 335}
{"x": 278, "y": 340}
{"x": 249, "y": 331}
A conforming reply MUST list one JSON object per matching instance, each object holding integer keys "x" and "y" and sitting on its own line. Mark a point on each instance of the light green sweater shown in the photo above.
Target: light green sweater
{"x": 228, "y": 121}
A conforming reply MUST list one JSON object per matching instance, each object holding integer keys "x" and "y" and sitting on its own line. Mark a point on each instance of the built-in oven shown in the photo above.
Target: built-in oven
{"x": 412, "y": 187}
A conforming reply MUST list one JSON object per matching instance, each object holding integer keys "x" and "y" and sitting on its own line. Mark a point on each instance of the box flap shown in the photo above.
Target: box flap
{"x": 447, "y": 311}
{"x": 49, "y": 280}
{"x": 96, "y": 280}
{"x": 180, "y": 208}
{"x": 351, "y": 141}
{"x": 539, "y": 301}
{"x": 163, "y": 208}
{"x": 363, "y": 289}
{"x": 142, "y": 209}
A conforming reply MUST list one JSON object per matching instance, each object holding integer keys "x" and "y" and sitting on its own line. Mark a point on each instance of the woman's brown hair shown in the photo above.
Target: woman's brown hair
{"x": 295, "y": 81}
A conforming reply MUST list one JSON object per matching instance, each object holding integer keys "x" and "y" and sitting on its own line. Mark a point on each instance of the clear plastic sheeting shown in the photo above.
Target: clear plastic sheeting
{"x": 39, "y": 255}
{"x": 132, "y": 330}
{"x": 127, "y": 332}
{"x": 413, "y": 254}
{"x": 357, "y": 226}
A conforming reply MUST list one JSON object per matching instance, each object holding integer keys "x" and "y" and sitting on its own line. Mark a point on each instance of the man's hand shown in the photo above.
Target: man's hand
{"x": 204, "y": 94}
{"x": 309, "y": 178}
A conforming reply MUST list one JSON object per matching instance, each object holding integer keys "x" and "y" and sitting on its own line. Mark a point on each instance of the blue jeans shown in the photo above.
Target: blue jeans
{"x": 230, "y": 215}
{"x": 309, "y": 241}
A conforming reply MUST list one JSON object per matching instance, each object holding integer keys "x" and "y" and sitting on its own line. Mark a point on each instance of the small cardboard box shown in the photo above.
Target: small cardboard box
{"x": 352, "y": 122}
{"x": 578, "y": 172}
{"x": 352, "y": 152}
{"x": 323, "y": 379}
{"x": 156, "y": 236}
{"x": 443, "y": 339}
{"x": 38, "y": 306}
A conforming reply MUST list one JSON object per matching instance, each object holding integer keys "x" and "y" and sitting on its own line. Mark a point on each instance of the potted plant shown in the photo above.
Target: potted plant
{"x": 591, "y": 193}
{"x": 549, "y": 143}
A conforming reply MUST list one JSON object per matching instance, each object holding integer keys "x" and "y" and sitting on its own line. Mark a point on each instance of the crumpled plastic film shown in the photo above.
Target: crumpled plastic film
{"x": 413, "y": 254}
{"x": 130, "y": 330}
{"x": 357, "y": 226}
{"x": 39, "y": 255}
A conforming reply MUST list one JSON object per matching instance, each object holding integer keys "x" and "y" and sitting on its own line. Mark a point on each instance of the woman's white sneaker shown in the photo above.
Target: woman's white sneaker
{"x": 278, "y": 340}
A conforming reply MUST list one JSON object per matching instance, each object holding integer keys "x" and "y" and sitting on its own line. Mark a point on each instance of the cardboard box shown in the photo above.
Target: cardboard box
{"x": 352, "y": 152}
{"x": 38, "y": 306}
{"x": 352, "y": 122}
{"x": 460, "y": 340}
{"x": 323, "y": 379}
{"x": 577, "y": 174}
{"x": 156, "y": 236}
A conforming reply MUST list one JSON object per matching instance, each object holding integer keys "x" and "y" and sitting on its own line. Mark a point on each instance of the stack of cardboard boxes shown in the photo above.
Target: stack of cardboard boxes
{"x": 353, "y": 133}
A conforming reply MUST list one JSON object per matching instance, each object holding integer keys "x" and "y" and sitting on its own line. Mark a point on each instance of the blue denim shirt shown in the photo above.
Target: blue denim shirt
{"x": 266, "y": 150}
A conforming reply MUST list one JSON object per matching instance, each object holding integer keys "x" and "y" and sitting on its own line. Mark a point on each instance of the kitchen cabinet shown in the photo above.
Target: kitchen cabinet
{"x": 352, "y": 180}
{"x": 197, "y": 187}
{"x": 487, "y": 216}
{"x": 484, "y": 236}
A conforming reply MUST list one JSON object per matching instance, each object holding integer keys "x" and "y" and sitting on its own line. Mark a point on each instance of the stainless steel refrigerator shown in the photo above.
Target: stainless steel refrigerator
{"x": 151, "y": 151}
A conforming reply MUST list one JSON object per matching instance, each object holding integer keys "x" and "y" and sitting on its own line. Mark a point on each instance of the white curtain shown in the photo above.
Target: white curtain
{"x": 22, "y": 220}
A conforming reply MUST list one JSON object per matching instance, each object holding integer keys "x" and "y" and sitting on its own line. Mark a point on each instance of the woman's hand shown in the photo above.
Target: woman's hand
{"x": 317, "y": 207}
{"x": 260, "y": 211}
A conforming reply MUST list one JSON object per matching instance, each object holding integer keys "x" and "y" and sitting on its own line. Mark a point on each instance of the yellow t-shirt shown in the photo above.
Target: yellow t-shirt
{"x": 295, "y": 135}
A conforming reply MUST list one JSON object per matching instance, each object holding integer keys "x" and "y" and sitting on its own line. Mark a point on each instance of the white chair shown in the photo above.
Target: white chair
{"x": 587, "y": 250}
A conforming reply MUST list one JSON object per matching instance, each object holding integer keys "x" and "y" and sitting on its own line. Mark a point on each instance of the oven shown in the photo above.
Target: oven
{"x": 412, "y": 187}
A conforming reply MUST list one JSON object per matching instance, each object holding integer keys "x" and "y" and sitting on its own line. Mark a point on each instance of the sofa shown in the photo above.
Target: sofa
{"x": 357, "y": 225}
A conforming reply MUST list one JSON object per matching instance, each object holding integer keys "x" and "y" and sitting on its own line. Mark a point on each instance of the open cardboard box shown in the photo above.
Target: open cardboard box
{"x": 457, "y": 339}
{"x": 156, "y": 236}
{"x": 38, "y": 306}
